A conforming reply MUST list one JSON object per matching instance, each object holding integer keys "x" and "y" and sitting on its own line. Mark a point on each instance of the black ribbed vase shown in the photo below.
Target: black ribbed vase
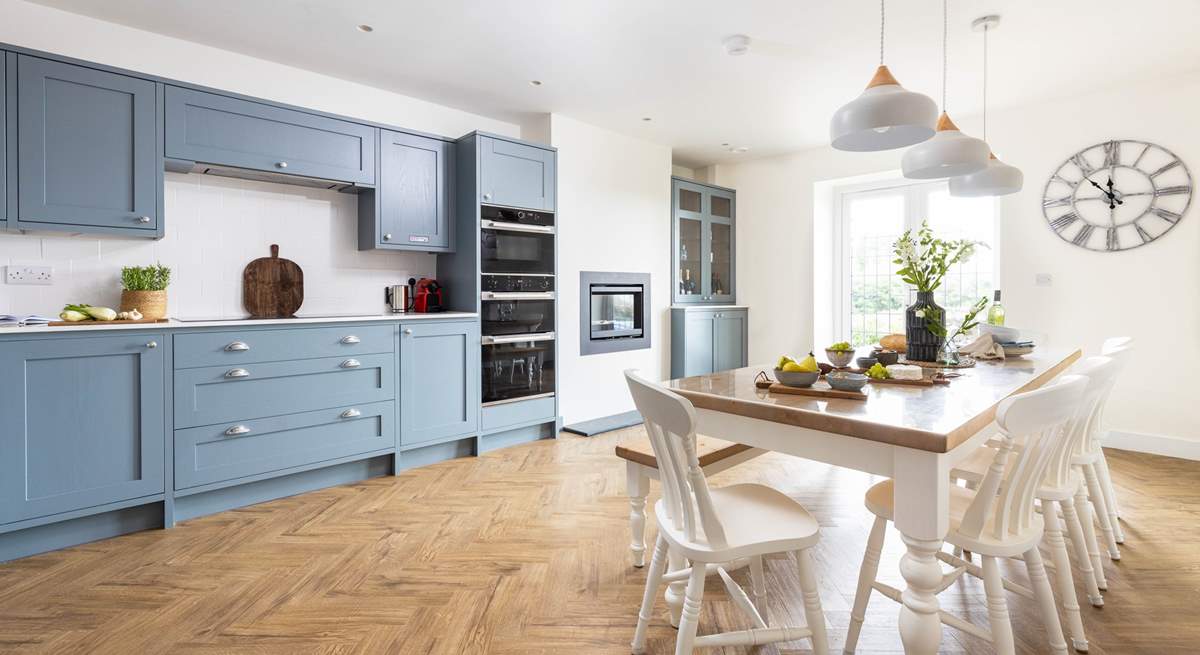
{"x": 923, "y": 345}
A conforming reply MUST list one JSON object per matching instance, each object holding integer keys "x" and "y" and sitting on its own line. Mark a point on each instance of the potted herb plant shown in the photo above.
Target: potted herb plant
{"x": 145, "y": 289}
{"x": 924, "y": 261}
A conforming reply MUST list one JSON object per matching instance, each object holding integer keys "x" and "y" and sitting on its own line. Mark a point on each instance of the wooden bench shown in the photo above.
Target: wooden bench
{"x": 715, "y": 456}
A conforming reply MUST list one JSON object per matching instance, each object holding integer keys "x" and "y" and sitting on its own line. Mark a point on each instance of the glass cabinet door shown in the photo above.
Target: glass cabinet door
{"x": 720, "y": 256}
{"x": 689, "y": 256}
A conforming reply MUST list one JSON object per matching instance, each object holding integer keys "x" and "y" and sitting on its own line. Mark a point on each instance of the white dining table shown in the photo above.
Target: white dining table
{"x": 912, "y": 434}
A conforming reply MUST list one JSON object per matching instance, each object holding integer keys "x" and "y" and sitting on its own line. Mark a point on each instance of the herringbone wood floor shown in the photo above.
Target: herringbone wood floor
{"x": 524, "y": 550}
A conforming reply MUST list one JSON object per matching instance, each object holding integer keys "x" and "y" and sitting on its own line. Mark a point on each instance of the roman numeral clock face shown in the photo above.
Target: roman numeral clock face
{"x": 1117, "y": 195}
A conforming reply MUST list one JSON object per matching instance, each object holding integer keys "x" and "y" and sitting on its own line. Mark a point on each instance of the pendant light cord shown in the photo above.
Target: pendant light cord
{"x": 881, "y": 31}
{"x": 985, "y": 80}
{"x": 945, "y": 57}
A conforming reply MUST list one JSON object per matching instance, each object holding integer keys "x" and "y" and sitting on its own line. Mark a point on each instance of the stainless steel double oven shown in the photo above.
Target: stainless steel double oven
{"x": 518, "y": 303}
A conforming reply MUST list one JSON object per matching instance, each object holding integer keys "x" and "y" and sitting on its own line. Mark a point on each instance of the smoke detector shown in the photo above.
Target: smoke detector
{"x": 736, "y": 45}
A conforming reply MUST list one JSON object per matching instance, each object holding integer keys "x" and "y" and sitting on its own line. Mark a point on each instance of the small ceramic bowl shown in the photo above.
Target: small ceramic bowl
{"x": 887, "y": 357}
{"x": 840, "y": 358}
{"x": 796, "y": 378}
{"x": 846, "y": 381}
{"x": 866, "y": 362}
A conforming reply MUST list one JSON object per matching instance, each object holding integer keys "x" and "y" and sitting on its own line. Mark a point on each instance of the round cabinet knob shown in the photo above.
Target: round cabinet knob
{"x": 281, "y": 164}
{"x": 407, "y": 330}
{"x": 143, "y": 219}
{"x": 152, "y": 344}
{"x": 487, "y": 196}
{"x": 387, "y": 237}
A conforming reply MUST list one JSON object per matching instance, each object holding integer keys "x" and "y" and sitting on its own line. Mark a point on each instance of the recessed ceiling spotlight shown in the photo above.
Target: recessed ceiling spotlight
{"x": 739, "y": 150}
{"x": 646, "y": 119}
{"x": 736, "y": 45}
{"x": 535, "y": 82}
{"x": 724, "y": 145}
{"x": 364, "y": 28}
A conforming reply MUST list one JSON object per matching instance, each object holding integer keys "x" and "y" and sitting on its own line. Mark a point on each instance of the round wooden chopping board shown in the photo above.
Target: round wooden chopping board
{"x": 272, "y": 287}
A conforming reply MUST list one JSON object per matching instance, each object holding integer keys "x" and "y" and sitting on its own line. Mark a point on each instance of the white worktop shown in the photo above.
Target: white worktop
{"x": 173, "y": 324}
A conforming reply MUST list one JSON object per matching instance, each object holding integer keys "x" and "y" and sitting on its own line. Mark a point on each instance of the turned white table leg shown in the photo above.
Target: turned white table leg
{"x": 637, "y": 487}
{"x": 922, "y": 497}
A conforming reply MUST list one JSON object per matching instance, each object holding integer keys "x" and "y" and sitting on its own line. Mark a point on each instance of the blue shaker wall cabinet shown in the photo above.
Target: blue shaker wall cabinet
{"x": 516, "y": 174}
{"x": 6, "y": 60}
{"x": 412, "y": 206}
{"x": 81, "y": 423}
{"x": 87, "y": 155}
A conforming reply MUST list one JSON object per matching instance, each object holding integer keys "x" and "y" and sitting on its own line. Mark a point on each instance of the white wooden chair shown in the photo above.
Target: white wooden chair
{"x": 714, "y": 527}
{"x": 641, "y": 466}
{"x": 998, "y": 520}
{"x": 1060, "y": 488}
{"x": 1120, "y": 349}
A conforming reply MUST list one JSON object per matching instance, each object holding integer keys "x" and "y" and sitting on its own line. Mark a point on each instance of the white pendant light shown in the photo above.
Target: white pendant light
{"x": 885, "y": 116}
{"x": 950, "y": 152}
{"x": 998, "y": 179}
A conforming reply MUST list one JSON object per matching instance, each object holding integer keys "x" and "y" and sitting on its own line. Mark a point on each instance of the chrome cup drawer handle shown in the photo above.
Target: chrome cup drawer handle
{"x": 237, "y": 346}
{"x": 350, "y": 338}
{"x": 237, "y": 373}
{"x": 236, "y": 430}
{"x": 351, "y": 413}
{"x": 351, "y": 363}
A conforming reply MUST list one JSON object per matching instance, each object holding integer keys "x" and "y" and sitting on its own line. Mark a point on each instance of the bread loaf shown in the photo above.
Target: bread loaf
{"x": 897, "y": 342}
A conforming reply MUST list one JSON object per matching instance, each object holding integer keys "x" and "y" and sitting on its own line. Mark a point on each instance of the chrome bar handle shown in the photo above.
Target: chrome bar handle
{"x": 517, "y": 295}
{"x": 350, "y": 338}
{"x": 516, "y": 227}
{"x": 237, "y": 373}
{"x": 237, "y": 430}
{"x": 517, "y": 338}
{"x": 351, "y": 363}
{"x": 351, "y": 413}
{"x": 237, "y": 346}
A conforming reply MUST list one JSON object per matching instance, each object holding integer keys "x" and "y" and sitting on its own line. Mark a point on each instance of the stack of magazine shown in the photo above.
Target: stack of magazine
{"x": 15, "y": 320}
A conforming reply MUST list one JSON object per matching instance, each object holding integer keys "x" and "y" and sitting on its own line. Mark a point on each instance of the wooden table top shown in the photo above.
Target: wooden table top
{"x": 935, "y": 419}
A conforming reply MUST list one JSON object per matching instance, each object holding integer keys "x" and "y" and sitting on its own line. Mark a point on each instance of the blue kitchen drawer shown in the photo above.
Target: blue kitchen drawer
{"x": 217, "y": 129}
{"x": 227, "y": 348}
{"x": 228, "y": 451}
{"x": 517, "y": 413}
{"x": 219, "y": 394}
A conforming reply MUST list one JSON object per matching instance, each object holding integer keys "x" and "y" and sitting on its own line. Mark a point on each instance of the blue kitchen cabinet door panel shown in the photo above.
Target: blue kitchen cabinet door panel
{"x": 81, "y": 423}
{"x": 86, "y": 148}
{"x": 415, "y": 192}
{"x": 7, "y": 59}
{"x": 223, "y": 452}
{"x": 219, "y": 394}
{"x": 217, "y": 129}
{"x": 515, "y": 174}
{"x": 439, "y": 380}
{"x": 730, "y": 339}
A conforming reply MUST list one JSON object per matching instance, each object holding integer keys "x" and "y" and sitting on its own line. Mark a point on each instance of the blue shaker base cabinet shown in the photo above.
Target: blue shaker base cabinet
{"x": 439, "y": 381}
{"x": 705, "y": 340}
{"x": 81, "y": 423}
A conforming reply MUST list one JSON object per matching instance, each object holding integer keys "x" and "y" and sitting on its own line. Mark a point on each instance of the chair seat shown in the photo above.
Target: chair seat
{"x": 708, "y": 451}
{"x": 880, "y": 501}
{"x": 975, "y": 466}
{"x": 757, "y": 519}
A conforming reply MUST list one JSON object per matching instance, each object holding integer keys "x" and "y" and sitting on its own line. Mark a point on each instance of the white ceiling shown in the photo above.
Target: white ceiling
{"x": 613, "y": 62}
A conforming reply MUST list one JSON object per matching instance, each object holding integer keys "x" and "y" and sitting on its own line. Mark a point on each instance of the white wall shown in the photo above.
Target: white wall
{"x": 214, "y": 227}
{"x": 614, "y": 214}
{"x": 1150, "y": 293}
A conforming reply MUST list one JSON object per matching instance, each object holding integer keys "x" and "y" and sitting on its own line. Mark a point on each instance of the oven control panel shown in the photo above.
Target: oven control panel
{"x": 518, "y": 283}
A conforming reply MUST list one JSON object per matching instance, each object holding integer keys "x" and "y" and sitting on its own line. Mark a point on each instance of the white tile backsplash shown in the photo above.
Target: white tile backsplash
{"x": 214, "y": 227}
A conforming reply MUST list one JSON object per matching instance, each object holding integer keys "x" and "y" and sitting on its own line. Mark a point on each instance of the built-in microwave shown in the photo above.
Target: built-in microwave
{"x": 516, "y": 241}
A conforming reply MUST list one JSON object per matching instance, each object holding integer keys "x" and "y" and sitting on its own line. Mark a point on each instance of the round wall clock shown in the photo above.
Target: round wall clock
{"x": 1117, "y": 195}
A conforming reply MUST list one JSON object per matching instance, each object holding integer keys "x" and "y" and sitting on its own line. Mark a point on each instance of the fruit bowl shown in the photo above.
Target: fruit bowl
{"x": 796, "y": 378}
{"x": 845, "y": 381}
{"x": 839, "y": 358}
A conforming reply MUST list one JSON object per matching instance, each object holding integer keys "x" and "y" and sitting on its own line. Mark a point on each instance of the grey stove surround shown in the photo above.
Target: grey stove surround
{"x": 614, "y": 312}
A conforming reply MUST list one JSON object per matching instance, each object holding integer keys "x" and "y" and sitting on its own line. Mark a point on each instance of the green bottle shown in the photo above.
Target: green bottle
{"x": 996, "y": 311}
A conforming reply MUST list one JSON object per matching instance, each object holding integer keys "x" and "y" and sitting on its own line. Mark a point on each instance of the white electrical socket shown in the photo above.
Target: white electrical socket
{"x": 42, "y": 275}
{"x": 1043, "y": 280}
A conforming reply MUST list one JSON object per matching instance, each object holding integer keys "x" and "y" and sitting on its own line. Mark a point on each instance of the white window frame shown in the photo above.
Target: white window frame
{"x": 916, "y": 194}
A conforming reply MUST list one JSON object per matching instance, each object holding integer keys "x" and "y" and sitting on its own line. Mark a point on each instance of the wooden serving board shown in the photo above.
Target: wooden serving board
{"x": 112, "y": 322}
{"x": 923, "y": 382}
{"x": 819, "y": 392}
{"x": 272, "y": 287}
